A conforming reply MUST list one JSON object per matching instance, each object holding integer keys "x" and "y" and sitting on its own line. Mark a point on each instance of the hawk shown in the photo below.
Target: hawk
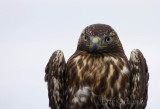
{"x": 98, "y": 75}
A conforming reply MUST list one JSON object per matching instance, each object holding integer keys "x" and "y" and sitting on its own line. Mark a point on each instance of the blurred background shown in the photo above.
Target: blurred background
{"x": 31, "y": 30}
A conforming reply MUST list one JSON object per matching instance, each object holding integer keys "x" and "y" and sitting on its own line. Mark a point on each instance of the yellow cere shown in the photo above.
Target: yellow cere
{"x": 95, "y": 40}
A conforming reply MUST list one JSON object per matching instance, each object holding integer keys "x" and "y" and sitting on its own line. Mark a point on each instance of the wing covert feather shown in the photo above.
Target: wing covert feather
{"x": 54, "y": 76}
{"x": 139, "y": 80}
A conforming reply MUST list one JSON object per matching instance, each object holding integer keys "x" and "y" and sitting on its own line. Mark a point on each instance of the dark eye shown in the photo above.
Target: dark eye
{"x": 85, "y": 38}
{"x": 107, "y": 39}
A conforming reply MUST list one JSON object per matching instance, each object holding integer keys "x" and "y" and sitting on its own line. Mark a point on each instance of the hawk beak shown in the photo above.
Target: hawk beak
{"x": 94, "y": 44}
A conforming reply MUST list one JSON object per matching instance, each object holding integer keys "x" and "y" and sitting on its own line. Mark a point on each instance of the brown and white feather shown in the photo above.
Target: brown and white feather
{"x": 101, "y": 79}
{"x": 55, "y": 79}
{"x": 139, "y": 80}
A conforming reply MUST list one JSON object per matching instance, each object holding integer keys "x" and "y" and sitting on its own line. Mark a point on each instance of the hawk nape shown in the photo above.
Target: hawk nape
{"x": 98, "y": 75}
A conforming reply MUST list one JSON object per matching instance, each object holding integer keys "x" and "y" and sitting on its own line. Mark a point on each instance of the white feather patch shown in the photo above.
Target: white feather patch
{"x": 124, "y": 70}
{"x": 134, "y": 55}
{"x": 81, "y": 95}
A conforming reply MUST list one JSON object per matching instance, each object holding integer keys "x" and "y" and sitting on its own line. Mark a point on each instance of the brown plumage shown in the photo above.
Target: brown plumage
{"x": 98, "y": 75}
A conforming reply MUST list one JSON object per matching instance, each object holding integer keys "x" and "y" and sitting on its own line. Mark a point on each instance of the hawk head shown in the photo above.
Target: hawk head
{"x": 99, "y": 38}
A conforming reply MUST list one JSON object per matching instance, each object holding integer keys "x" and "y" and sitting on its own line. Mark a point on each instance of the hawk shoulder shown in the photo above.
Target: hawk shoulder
{"x": 54, "y": 76}
{"x": 139, "y": 79}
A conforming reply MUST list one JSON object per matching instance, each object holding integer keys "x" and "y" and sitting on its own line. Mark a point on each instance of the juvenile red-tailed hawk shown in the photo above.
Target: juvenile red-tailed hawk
{"x": 98, "y": 75}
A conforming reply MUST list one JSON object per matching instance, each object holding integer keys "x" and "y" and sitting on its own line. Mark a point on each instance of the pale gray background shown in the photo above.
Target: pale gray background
{"x": 31, "y": 30}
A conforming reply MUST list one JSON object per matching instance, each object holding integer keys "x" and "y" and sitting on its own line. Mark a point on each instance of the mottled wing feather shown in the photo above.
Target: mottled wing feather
{"x": 54, "y": 76}
{"x": 139, "y": 80}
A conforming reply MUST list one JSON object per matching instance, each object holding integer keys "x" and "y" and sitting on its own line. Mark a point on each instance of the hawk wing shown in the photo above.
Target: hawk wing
{"x": 54, "y": 76}
{"x": 139, "y": 80}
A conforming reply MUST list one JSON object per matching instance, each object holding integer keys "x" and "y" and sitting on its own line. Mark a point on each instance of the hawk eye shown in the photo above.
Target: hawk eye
{"x": 85, "y": 37}
{"x": 107, "y": 39}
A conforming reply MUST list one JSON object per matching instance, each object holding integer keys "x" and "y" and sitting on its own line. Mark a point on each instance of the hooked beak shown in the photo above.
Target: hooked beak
{"x": 94, "y": 44}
